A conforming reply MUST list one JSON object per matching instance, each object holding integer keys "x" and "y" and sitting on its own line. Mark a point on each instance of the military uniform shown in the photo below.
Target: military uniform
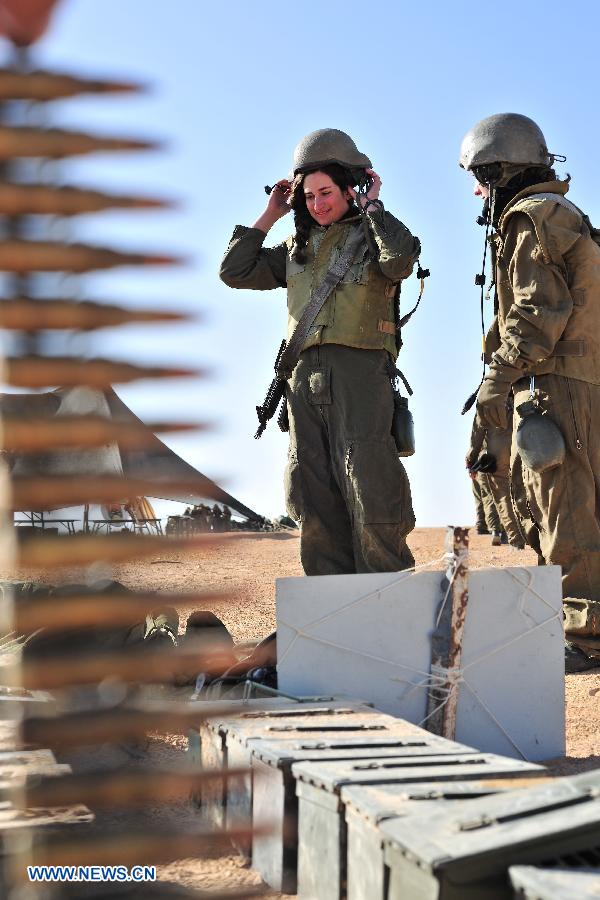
{"x": 344, "y": 481}
{"x": 548, "y": 281}
{"x": 547, "y": 277}
{"x": 494, "y": 487}
{"x": 487, "y": 518}
{"x": 481, "y": 522}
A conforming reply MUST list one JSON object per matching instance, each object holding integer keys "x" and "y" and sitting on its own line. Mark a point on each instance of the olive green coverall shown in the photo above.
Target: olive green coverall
{"x": 344, "y": 480}
{"x": 548, "y": 281}
{"x": 486, "y": 514}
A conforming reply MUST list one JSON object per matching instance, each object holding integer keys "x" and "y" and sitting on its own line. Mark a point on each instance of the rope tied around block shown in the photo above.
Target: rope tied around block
{"x": 446, "y": 680}
{"x": 302, "y": 632}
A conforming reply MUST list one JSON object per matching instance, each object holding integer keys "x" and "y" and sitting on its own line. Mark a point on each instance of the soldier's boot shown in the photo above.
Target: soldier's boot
{"x": 581, "y": 617}
{"x": 206, "y": 635}
{"x": 577, "y": 660}
{"x": 162, "y": 626}
{"x": 582, "y": 631}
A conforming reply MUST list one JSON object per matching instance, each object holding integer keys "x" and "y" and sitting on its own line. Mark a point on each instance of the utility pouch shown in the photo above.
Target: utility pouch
{"x": 403, "y": 426}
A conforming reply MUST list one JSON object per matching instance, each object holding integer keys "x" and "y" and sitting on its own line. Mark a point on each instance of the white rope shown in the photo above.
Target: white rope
{"x": 431, "y": 680}
{"x": 446, "y": 595}
{"x": 282, "y": 656}
{"x": 513, "y": 640}
{"x": 407, "y": 573}
{"x": 494, "y": 719}
{"x": 362, "y": 653}
{"x": 336, "y": 612}
{"x": 446, "y": 681}
{"x": 527, "y": 586}
{"x": 414, "y": 685}
{"x": 447, "y": 676}
{"x": 449, "y": 681}
{"x": 435, "y": 710}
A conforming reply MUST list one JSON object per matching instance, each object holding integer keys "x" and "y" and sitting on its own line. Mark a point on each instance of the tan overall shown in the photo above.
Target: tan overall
{"x": 548, "y": 281}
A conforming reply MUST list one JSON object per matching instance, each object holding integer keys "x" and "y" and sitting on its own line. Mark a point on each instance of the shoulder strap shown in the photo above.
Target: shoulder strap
{"x": 290, "y": 355}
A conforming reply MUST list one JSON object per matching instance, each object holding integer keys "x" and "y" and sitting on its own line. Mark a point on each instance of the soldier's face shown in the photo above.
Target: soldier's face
{"x": 325, "y": 201}
{"x": 481, "y": 190}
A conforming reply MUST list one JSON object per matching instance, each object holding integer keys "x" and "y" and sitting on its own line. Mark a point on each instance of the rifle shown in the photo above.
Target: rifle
{"x": 275, "y": 393}
{"x": 289, "y": 353}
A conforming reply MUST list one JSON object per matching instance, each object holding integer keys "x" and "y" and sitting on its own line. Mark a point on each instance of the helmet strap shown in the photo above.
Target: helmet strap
{"x": 484, "y": 219}
{"x": 362, "y": 187}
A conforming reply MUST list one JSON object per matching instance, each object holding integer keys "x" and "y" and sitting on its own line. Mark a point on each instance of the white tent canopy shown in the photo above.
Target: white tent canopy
{"x": 156, "y": 462}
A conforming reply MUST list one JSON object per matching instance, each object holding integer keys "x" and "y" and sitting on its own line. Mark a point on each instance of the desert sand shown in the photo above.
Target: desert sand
{"x": 246, "y": 567}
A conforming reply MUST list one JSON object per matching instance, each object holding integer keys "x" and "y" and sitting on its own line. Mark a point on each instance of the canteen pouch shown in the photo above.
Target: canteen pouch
{"x": 403, "y": 426}
{"x": 539, "y": 440}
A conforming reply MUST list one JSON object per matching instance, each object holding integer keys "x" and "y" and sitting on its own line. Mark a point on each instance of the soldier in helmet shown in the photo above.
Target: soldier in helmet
{"x": 547, "y": 351}
{"x": 344, "y": 480}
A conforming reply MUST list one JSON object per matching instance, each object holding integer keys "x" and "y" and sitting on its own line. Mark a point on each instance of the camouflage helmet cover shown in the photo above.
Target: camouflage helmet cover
{"x": 504, "y": 138}
{"x": 328, "y": 145}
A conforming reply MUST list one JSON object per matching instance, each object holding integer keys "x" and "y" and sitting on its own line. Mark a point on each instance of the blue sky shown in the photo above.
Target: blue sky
{"x": 234, "y": 87}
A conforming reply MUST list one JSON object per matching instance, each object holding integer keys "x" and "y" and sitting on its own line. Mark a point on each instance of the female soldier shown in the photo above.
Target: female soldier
{"x": 344, "y": 483}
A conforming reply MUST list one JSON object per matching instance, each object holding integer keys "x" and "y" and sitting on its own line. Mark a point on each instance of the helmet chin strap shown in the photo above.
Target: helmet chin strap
{"x": 362, "y": 188}
{"x": 495, "y": 177}
{"x": 485, "y": 219}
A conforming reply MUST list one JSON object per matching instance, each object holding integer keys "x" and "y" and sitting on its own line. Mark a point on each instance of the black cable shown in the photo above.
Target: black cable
{"x": 485, "y": 219}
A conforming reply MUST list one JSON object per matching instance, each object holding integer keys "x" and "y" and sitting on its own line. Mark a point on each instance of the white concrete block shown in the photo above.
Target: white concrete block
{"x": 370, "y": 636}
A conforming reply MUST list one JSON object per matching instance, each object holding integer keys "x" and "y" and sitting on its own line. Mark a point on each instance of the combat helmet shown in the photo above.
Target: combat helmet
{"x": 325, "y": 146}
{"x": 506, "y": 138}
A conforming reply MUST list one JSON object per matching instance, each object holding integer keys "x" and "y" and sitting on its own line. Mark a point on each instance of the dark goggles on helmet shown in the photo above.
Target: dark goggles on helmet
{"x": 488, "y": 174}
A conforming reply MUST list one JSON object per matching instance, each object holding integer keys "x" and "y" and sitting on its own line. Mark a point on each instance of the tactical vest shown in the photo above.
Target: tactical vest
{"x": 565, "y": 242}
{"x": 359, "y": 312}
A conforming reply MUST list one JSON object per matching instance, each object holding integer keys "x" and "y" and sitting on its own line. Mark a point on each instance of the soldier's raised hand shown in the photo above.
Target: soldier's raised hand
{"x": 372, "y": 193}
{"x": 278, "y": 198}
{"x": 277, "y": 205}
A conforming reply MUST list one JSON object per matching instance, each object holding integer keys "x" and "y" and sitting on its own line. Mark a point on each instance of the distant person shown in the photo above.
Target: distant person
{"x": 217, "y": 518}
{"x": 487, "y": 519}
{"x": 488, "y": 463}
{"x": 345, "y": 483}
{"x": 547, "y": 354}
{"x": 226, "y": 519}
{"x": 199, "y": 514}
{"x": 481, "y": 525}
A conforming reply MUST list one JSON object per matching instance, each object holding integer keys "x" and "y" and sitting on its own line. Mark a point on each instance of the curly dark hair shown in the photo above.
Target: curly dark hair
{"x": 303, "y": 220}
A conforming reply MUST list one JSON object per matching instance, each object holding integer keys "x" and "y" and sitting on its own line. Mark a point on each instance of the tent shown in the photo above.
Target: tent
{"x": 156, "y": 462}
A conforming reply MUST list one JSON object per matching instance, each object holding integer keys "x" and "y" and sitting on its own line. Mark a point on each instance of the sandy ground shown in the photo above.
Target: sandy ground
{"x": 246, "y": 568}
